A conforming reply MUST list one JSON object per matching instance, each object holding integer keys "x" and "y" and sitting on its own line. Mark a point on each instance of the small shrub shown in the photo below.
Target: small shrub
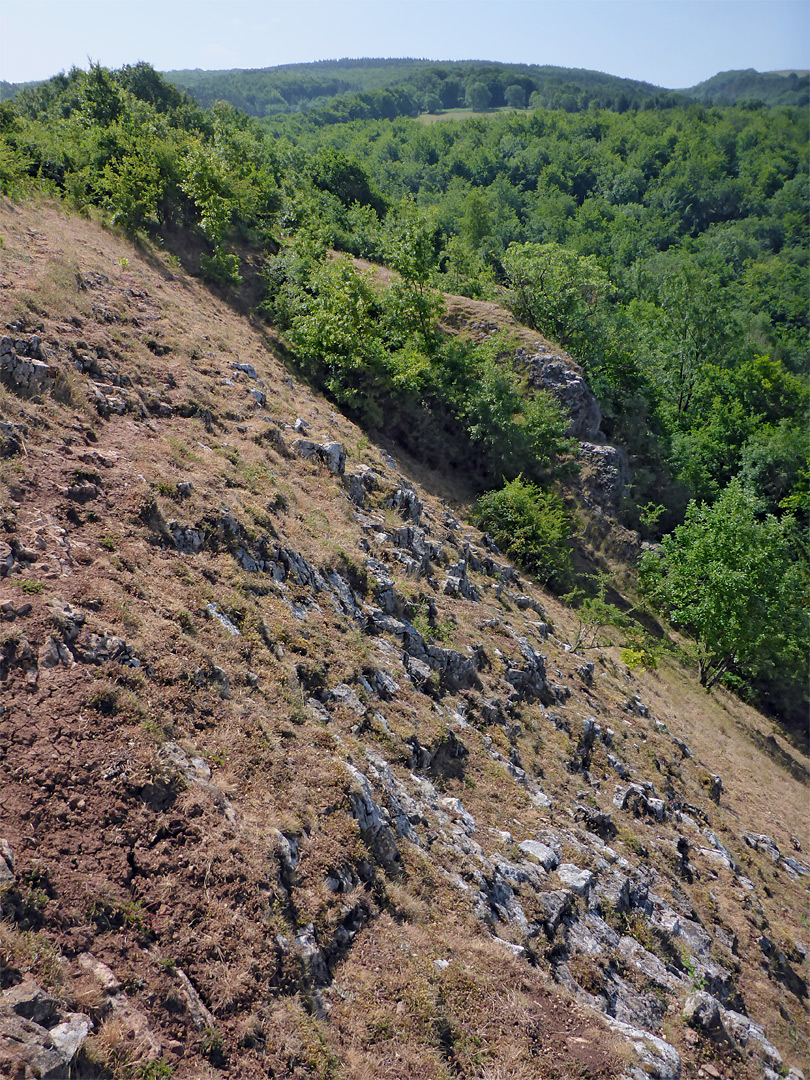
{"x": 160, "y": 1069}
{"x": 68, "y": 388}
{"x": 104, "y": 698}
{"x": 211, "y": 1046}
{"x": 638, "y": 658}
{"x": 32, "y": 588}
{"x": 532, "y": 526}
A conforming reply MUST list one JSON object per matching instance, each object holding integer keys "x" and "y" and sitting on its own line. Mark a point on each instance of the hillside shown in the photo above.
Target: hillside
{"x": 768, "y": 87}
{"x": 362, "y": 88}
{"x": 301, "y": 778}
{"x": 441, "y": 84}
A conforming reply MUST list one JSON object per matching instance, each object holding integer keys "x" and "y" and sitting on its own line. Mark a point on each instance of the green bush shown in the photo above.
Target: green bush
{"x": 737, "y": 582}
{"x": 532, "y": 526}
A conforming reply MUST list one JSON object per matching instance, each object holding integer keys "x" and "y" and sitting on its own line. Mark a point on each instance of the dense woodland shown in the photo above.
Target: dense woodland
{"x": 376, "y": 89}
{"x": 663, "y": 243}
{"x": 383, "y": 89}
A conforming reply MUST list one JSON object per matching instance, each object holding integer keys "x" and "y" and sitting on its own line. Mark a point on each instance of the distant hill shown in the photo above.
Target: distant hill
{"x": 770, "y": 87}
{"x": 8, "y": 90}
{"x": 423, "y": 85}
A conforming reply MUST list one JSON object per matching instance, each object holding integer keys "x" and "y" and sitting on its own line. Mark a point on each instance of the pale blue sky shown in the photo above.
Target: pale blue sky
{"x": 671, "y": 43}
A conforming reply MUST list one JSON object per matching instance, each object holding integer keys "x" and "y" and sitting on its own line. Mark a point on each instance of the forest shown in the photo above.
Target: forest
{"x": 356, "y": 89}
{"x": 662, "y": 242}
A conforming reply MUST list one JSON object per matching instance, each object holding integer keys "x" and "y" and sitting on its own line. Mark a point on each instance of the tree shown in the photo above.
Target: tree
{"x": 734, "y": 581}
{"x": 431, "y": 102}
{"x": 515, "y": 96}
{"x": 410, "y": 248}
{"x": 478, "y": 96}
{"x": 688, "y": 329}
{"x": 554, "y": 290}
{"x": 334, "y": 171}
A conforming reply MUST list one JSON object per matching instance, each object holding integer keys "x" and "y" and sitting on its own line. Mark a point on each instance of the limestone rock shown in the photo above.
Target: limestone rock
{"x": 343, "y": 695}
{"x": 555, "y": 905}
{"x": 407, "y": 502}
{"x": 659, "y": 1060}
{"x": 331, "y": 454}
{"x": 562, "y": 378}
{"x": 548, "y": 857}
{"x": 70, "y": 1034}
{"x": 36, "y": 1038}
{"x": 575, "y": 878}
{"x": 604, "y": 474}
{"x": 7, "y": 875}
{"x": 30, "y": 1001}
{"x": 373, "y": 822}
{"x": 223, "y": 620}
{"x": 703, "y": 1012}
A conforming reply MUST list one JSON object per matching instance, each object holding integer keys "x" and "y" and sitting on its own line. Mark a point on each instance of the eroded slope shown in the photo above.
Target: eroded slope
{"x": 301, "y": 778}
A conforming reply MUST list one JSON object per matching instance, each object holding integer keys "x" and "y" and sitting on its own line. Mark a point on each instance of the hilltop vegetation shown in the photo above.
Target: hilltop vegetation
{"x": 768, "y": 87}
{"x": 379, "y": 88}
{"x": 666, "y": 249}
{"x": 374, "y": 88}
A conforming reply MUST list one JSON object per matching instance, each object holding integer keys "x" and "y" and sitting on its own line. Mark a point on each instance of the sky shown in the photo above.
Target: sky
{"x": 671, "y": 43}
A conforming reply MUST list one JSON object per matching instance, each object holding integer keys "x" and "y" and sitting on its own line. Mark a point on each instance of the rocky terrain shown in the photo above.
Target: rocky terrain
{"x": 299, "y": 777}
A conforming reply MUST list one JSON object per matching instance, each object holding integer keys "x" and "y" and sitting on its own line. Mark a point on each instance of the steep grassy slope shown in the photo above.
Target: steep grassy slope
{"x": 300, "y": 778}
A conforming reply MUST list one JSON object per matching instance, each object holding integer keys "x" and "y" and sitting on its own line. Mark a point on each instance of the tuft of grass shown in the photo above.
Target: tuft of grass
{"x": 28, "y": 950}
{"x": 110, "y": 914}
{"x": 68, "y": 389}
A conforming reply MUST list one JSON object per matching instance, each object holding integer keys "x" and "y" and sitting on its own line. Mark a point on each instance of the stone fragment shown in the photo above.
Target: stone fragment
{"x": 331, "y": 454}
{"x": 575, "y": 878}
{"x": 7, "y": 874}
{"x": 69, "y": 1036}
{"x": 26, "y": 1048}
{"x": 595, "y": 821}
{"x": 407, "y": 502}
{"x": 548, "y": 858}
{"x": 761, "y": 842}
{"x": 702, "y": 1012}
{"x": 197, "y": 1010}
{"x": 750, "y": 1036}
{"x": 373, "y": 825}
{"x": 554, "y": 905}
{"x": 343, "y": 695}
{"x": 30, "y": 1001}
{"x": 660, "y": 1060}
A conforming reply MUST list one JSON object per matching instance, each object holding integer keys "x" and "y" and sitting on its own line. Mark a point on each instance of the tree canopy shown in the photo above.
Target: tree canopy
{"x": 731, "y": 578}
